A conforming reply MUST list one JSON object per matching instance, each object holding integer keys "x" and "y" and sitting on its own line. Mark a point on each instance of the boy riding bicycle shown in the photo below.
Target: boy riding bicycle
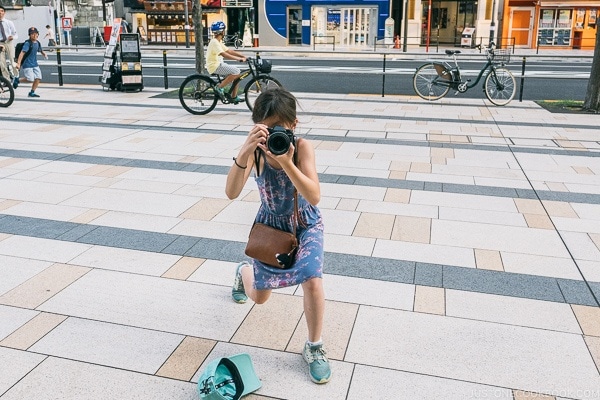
{"x": 215, "y": 54}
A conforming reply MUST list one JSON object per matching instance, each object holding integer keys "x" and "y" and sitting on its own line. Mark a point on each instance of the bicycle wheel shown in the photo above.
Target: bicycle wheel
{"x": 500, "y": 87}
{"x": 428, "y": 84}
{"x": 197, "y": 95}
{"x": 7, "y": 93}
{"x": 238, "y": 43}
{"x": 258, "y": 85}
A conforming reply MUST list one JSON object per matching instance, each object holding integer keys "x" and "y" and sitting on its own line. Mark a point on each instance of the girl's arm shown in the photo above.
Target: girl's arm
{"x": 237, "y": 176}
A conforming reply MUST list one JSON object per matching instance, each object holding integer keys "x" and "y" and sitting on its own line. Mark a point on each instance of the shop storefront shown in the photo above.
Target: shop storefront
{"x": 348, "y": 23}
{"x": 551, "y": 24}
{"x": 163, "y": 22}
{"x": 451, "y": 22}
{"x": 448, "y": 21}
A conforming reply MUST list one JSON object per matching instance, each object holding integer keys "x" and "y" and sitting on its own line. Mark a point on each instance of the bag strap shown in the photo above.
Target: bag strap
{"x": 258, "y": 153}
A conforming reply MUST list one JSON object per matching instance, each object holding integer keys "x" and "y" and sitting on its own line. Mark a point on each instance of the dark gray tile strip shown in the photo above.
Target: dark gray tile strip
{"x": 410, "y": 272}
{"x": 585, "y": 198}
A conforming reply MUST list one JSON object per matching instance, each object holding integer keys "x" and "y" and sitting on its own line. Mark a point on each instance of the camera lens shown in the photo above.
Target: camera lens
{"x": 278, "y": 143}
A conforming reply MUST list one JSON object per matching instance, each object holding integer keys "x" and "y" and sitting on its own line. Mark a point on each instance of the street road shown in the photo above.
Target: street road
{"x": 545, "y": 79}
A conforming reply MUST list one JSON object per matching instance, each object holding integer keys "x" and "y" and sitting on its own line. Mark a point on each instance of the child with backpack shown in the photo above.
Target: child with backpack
{"x": 28, "y": 59}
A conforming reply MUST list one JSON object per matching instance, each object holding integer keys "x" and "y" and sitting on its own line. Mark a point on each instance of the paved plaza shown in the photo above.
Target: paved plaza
{"x": 462, "y": 250}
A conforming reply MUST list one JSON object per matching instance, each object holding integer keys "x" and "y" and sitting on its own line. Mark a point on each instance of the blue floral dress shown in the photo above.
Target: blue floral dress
{"x": 277, "y": 210}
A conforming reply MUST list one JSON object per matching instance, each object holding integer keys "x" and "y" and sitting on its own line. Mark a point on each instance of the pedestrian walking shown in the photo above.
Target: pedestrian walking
{"x": 28, "y": 59}
{"x": 8, "y": 35}
{"x": 50, "y": 36}
{"x": 280, "y": 178}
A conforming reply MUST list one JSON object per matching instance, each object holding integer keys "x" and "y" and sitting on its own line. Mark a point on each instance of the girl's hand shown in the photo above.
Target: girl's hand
{"x": 282, "y": 159}
{"x": 257, "y": 137}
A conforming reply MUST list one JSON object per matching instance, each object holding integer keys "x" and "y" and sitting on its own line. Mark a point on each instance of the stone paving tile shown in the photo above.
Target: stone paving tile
{"x": 488, "y": 259}
{"x": 501, "y": 309}
{"x": 538, "y": 221}
{"x": 21, "y": 362}
{"x": 32, "y": 331}
{"x": 430, "y": 300}
{"x": 109, "y": 344}
{"x": 337, "y": 328}
{"x": 540, "y": 265}
{"x": 496, "y": 237}
{"x": 126, "y": 260}
{"x": 589, "y": 319}
{"x": 401, "y": 385}
{"x": 459, "y": 349}
{"x": 593, "y": 343}
{"x": 183, "y": 268}
{"x": 412, "y": 229}
{"x": 272, "y": 324}
{"x": 121, "y": 298}
{"x": 370, "y": 292}
{"x": 374, "y": 225}
{"x": 15, "y": 270}
{"x": 183, "y": 363}
{"x": 13, "y": 318}
{"x": 43, "y": 286}
{"x": 57, "y": 378}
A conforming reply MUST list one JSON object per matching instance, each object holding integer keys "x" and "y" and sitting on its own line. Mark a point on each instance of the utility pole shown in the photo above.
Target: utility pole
{"x": 186, "y": 24}
{"x": 405, "y": 26}
{"x": 493, "y": 23}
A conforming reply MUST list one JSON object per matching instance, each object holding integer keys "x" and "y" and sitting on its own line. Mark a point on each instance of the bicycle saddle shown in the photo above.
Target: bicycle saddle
{"x": 452, "y": 52}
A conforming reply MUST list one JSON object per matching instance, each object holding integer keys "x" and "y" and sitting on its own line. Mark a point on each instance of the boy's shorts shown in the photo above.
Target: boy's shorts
{"x": 226, "y": 69}
{"x": 32, "y": 74}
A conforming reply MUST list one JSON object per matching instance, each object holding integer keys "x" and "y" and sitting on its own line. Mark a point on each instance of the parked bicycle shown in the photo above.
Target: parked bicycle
{"x": 7, "y": 93}
{"x": 198, "y": 93}
{"x": 433, "y": 80}
{"x": 233, "y": 40}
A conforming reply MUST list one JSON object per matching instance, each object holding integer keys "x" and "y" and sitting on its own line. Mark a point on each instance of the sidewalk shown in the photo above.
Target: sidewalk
{"x": 462, "y": 250}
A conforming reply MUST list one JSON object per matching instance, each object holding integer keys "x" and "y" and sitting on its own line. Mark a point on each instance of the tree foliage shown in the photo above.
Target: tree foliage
{"x": 592, "y": 95}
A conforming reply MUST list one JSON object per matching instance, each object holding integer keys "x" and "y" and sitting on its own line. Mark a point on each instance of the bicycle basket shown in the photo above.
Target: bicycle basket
{"x": 501, "y": 56}
{"x": 263, "y": 66}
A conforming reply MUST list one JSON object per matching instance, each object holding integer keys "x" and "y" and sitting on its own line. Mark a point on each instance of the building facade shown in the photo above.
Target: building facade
{"x": 551, "y": 23}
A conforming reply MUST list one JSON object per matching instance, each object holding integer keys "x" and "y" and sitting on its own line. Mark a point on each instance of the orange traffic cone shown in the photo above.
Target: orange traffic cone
{"x": 397, "y": 42}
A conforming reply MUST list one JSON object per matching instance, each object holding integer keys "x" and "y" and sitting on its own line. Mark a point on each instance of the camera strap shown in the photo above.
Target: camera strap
{"x": 258, "y": 153}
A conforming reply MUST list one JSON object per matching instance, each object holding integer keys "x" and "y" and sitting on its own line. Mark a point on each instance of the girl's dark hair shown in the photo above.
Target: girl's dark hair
{"x": 275, "y": 102}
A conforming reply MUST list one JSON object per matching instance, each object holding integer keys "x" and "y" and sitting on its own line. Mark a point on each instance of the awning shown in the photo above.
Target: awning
{"x": 568, "y": 4}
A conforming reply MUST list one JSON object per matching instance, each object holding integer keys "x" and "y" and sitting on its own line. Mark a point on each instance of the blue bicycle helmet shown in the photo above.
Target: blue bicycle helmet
{"x": 218, "y": 26}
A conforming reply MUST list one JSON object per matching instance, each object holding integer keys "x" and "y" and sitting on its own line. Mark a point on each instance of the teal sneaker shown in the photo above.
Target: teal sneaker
{"x": 318, "y": 364}
{"x": 237, "y": 292}
{"x": 220, "y": 92}
{"x": 236, "y": 99}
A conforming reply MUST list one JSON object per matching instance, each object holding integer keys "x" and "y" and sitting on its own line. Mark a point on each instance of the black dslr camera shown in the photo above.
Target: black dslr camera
{"x": 279, "y": 140}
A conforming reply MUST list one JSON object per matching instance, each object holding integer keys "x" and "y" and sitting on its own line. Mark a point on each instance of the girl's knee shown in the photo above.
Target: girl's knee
{"x": 260, "y": 296}
{"x": 313, "y": 285}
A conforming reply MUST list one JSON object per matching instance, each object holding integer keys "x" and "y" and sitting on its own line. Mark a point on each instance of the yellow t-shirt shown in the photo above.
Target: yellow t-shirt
{"x": 213, "y": 59}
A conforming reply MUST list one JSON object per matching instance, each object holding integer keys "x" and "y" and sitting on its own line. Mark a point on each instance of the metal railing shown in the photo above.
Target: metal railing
{"x": 315, "y": 37}
{"x": 414, "y": 56}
